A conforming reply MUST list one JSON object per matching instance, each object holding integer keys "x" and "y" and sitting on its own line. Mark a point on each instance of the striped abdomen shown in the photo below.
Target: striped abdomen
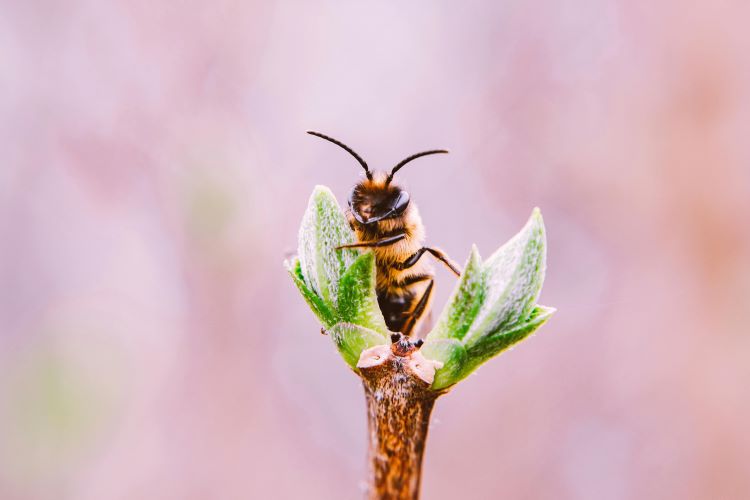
{"x": 400, "y": 291}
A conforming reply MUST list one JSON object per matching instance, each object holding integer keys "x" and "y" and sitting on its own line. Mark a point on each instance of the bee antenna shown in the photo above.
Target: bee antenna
{"x": 410, "y": 158}
{"x": 346, "y": 148}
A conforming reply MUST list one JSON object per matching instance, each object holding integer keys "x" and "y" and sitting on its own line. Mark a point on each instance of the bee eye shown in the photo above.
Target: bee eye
{"x": 402, "y": 201}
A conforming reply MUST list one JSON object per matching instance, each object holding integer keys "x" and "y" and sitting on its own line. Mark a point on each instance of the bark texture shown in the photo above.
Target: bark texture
{"x": 399, "y": 404}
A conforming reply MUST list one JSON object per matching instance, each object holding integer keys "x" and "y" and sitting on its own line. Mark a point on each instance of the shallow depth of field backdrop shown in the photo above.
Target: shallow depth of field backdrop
{"x": 155, "y": 169}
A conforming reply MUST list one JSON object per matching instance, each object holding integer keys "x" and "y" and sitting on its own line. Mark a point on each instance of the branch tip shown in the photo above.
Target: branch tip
{"x": 402, "y": 346}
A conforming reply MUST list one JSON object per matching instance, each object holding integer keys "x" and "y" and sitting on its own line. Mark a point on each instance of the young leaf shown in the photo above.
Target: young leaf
{"x": 351, "y": 340}
{"x": 324, "y": 228}
{"x": 453, "y": 356}
{"x": 495, "y": 343}
{"x": 513, "y": 279}
{"x": 463, "y": 306}
{"x": 326, "y": 316}
{"x": 357, "y": 301}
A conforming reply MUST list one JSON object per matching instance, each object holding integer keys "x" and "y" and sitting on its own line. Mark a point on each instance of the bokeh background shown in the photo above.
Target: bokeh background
{"x": 155, "y": 169}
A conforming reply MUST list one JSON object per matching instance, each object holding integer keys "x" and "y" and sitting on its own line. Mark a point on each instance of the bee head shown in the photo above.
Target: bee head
{"x": 373, "y": 200}
{"x": 376, "y": 199}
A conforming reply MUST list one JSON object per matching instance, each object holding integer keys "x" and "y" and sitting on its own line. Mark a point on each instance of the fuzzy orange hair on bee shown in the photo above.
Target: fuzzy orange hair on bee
{"x": 387, "y": 221}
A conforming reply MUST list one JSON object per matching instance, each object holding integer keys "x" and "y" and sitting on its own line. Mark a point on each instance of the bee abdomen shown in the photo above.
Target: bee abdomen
{"x": 398, "y": 298}
{"x": 395, "y": 308}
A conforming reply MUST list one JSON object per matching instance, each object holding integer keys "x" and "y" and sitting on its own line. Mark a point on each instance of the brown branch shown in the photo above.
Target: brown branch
{"x": 397, "y": 383}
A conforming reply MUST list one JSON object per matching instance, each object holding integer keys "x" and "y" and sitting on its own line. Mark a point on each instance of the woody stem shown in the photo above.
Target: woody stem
{"x": 399, "y": 404}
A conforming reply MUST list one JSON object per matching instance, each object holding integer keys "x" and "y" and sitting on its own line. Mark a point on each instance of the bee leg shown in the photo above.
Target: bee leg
{"x": 390, "y": 240}
{"x": 415, "y": 278}
{"x": 418, "y": 310}
{"x": 438, "y": 254}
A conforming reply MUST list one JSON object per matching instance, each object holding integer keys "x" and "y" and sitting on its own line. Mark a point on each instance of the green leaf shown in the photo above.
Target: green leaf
{"x": 351, "y": 340}
{"x": 357, "y": 301}
{"x": 338, "y": 285}
{"x": 463, "y": 305}
{"x": 326, "y": 316}
{"x": 492, "y": 306}
{"x": 513, "y": 278}
{"x": 497, "y": 342}
{"x": 453, "y": 356}
{"x": 324, "y": 228}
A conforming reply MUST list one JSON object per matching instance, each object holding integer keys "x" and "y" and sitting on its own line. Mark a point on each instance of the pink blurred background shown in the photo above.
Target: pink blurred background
{"x": 155, "y": 169}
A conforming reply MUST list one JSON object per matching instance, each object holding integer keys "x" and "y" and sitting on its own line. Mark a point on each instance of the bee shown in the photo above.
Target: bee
{"x": 386, "y": 220}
